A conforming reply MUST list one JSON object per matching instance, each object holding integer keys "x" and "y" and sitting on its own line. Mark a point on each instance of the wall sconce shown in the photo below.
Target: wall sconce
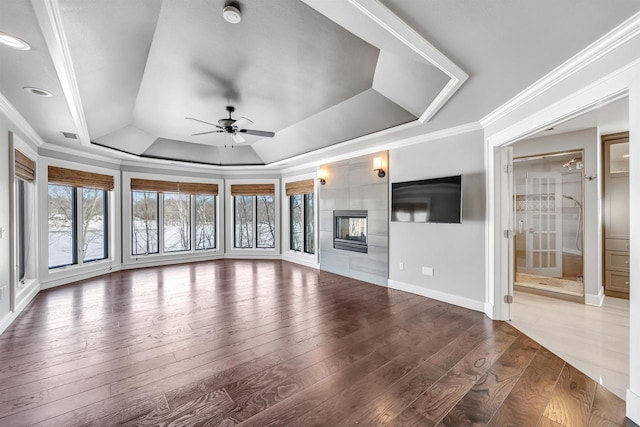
{"x": 322, "y": 176}
{"x": 377, "y": 166}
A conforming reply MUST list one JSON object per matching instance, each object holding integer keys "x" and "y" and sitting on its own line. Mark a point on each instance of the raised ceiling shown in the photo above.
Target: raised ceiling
{"x": 125, "y": 74}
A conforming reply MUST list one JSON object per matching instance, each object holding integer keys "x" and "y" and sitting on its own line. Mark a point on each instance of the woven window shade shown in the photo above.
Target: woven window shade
{"x": 299, "y": 187}
{"x": 253, "y": 189}
{"x": 25, "y": 168}
{"x": 173, "y": 187}
{"x": 83, "y": 179}
{"x": 198, "y": 188}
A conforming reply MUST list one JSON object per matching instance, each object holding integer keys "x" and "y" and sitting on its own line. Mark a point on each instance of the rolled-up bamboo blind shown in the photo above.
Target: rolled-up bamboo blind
{"x": 25, "y": 168}
{"x": 173, "y": 187}
{"x": 252, "y": 189}
{"x": 299, "y": 187}
{"x": 76, "y": 178}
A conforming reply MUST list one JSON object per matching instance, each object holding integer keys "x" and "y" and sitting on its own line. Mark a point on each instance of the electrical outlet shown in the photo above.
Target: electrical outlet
{"x": 427, "y": 271}
{"x": 401, "y": 266}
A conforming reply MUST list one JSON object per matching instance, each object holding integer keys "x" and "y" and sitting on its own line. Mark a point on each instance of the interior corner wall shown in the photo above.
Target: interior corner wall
{"x": 353, "y": 185}
{"x": 5, "y": 247}
{"x": 588, "y": 141}
{"x": 456, "y": 252}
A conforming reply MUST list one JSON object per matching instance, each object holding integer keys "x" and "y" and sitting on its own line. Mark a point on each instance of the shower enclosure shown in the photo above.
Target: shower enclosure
{"x": 549, "y": 221}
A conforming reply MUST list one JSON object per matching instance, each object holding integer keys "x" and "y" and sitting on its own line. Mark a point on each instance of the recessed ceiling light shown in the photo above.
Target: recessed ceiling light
{"x": 13, "y": 42}
{"x": 231, "y": 14}
{"x": 38, "y": 91}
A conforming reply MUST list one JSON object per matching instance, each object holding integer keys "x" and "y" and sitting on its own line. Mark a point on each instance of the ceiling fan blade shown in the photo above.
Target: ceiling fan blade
{"x": 205, "y": 133}
{"x": 242, "y": 123}
{"x": 238, "y": 139}
{"x": 258, "y": 132}
{"x": 201, "y": 121}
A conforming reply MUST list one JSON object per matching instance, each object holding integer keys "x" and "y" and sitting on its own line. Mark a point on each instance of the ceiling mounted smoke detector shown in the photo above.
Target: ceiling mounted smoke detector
{"x": 231, "y": 14}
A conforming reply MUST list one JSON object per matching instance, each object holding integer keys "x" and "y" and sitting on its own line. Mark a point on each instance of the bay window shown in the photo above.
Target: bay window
{"x": 187, "y": 212}
{"x": 254, "y": 221}
{"x": 301, "y": 216}
{"x": 77, "y": 216}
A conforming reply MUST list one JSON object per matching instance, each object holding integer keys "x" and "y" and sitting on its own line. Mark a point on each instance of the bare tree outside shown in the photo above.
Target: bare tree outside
{"x": 177, "y": 222}
{"x": 205, "y": 206}
{"x": 93, "y": 224}
{"x": 296, "y": 219}
{"x": 144, "y": 208}
{"x": 60, "y": 224}
{"x": 243, "y": 217}
{"x": 266, "y": 221}
{"x": 309, "y": 224}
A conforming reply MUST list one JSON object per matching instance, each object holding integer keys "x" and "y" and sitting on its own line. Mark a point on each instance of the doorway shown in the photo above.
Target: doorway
{"x": 549, "y": 224}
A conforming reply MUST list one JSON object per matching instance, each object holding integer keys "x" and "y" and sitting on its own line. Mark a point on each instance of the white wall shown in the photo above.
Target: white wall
{"x": 588, "y": 141}
{"x": 454, "y": 251}
{"x": 5, "y": 246}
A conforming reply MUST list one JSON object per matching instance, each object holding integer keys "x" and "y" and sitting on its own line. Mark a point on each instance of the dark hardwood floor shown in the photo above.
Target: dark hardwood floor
{"x": 260, "y": 343}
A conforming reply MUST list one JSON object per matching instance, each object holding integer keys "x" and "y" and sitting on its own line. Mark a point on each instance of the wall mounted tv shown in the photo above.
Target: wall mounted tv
{"x": 428, "y": 200}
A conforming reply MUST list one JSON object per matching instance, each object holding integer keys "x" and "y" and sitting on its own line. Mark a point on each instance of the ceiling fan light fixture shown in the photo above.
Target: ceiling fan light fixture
{"x": 231, "y": 14}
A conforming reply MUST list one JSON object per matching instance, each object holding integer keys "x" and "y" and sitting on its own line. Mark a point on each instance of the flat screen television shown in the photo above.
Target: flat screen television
{"x": 429, "y": 200}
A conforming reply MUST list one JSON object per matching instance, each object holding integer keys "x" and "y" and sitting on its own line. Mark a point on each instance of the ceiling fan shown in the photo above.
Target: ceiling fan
{"x": 233, "y": 127}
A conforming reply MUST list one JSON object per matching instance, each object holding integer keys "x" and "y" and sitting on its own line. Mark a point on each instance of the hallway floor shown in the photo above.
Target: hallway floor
{"x": 593, "y": 339}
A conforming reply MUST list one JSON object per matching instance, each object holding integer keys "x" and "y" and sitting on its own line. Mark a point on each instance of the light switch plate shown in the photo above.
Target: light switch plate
{"x": 2, "y": 232}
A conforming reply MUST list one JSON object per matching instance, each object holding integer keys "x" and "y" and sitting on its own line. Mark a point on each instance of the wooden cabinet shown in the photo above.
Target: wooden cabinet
{"x": 615, "y": 150}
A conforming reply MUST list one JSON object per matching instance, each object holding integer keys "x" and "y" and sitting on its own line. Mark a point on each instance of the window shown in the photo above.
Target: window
{"x": 295, "y": 221}
{"x": 301, "y": 223}
{"x": 254, "y": 216}
{"x": 94, "y": 224}
{"x": 205, "y": 206}
{"x": 177, "y": 222}
{"x": 144, "y": 222}
{"x": 61, "y": 220}
{"x": 21, "y": 234}
{"x": 243, "y": 221}
{"x": 77, "y": 216}
{"x": 309, "y": 224}
{"x": 187, "y": 212}
{"x": 301, "y": 216}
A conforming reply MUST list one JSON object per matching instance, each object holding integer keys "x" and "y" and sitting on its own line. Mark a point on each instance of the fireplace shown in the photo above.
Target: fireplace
{"x": 350, "y": 230}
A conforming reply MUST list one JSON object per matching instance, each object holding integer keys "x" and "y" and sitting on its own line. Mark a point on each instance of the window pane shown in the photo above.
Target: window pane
{"x": 296, "y": 222}
{"x": 177, "y": 222}
{"x": 61, "y": 225}
{"x": 243, "y": 221}
{"x": 309, "y": 224}
{"x": 94, "y": 224}
{"x": 266, "y": 232}
{"x": 205, "y": 222}
{"x": 144, "y": 206}
{"x": 21, "y": 224}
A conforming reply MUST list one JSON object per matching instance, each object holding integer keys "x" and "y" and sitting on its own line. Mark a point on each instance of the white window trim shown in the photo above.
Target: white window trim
{"x": 310, "y": 260}
{"x": 163, "y": 258}
{"x": 233, "y": 252}
{"x": 57, "y": 276}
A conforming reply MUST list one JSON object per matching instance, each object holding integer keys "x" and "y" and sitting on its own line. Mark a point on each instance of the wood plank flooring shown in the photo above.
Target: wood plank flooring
{"x": 257, "y": 343}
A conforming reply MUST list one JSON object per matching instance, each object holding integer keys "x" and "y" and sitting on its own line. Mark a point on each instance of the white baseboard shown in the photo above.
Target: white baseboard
{"x": 81, "y": 276}
{"x": 633, "y": 406}
{"x": 251, "y": 256}
{"x": 595, "y": 299}
{"x": 438, "y": 295}
{"x": 8, "y": 320}
{"x": 301, "y": 261}
{"x": 159, "y": 262}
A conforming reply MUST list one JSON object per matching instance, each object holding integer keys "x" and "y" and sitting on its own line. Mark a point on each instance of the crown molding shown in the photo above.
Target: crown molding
{"x": 399, "y": 29}
{"x": 605, "y": 44}
{"x": 48, "y": 15}
{"x": 19, "y": 121}
{"x": 374, "y": 148}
